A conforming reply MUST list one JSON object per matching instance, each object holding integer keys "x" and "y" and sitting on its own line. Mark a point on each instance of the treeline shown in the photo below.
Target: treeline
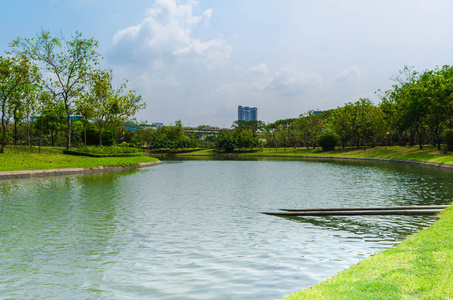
{"x": 47, "y": 80}
{"x": 418, "y": 109}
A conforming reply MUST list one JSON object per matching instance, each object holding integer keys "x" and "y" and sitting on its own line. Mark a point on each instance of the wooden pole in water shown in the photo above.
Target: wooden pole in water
{"x": 363, "y": 212}
{"x": 370, "y": 208}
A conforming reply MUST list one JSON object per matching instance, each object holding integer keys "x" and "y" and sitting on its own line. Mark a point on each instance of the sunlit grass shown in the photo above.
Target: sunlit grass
{"x": 26, "y": 158}
{"x": 428, "y": 153}
{"x": 420, "y": 267}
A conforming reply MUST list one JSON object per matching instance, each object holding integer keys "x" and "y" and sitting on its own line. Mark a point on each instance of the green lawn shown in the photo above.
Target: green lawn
{"x": 420, "y": 267}
{"x": 25, "y": 158}
{"x": 428, "y": 153}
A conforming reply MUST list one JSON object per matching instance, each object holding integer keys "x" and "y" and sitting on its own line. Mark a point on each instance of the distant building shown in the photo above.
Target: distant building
{"x": 246, "y": 113}
{"x": 318, "y": 112}
{"x": 134, "y": 126}
{"x": 73, "y": 118}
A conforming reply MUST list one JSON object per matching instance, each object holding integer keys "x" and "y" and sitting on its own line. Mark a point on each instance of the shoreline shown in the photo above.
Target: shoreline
{"x": 71, "y": 171}
{"x": 392, "y": 160}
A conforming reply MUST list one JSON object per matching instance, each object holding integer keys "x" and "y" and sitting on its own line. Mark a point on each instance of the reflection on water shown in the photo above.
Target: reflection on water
{"x": 192, "y": 229}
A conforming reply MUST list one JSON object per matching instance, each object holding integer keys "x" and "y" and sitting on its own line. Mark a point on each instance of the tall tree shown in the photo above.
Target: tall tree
{"x": 67, "y": 62}
{"x": 17, "y": 73}
{"x": 106, "y": 104}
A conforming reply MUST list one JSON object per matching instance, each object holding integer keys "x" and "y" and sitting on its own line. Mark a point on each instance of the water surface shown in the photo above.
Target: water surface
{"x": 192, "y": 229}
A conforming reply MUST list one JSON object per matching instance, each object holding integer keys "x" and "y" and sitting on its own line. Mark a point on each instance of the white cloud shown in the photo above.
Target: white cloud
{"x": 258, "y": 69}
{"x": 347, "y": 73}
{"x": 166, "y": 34}
{"x": 214, "y": 52}
{"x": 289, "y": 81}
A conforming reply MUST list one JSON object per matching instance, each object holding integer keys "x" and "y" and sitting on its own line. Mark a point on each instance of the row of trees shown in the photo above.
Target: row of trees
{"x": 48, "y": 73}
{"x": 418, "y": 109}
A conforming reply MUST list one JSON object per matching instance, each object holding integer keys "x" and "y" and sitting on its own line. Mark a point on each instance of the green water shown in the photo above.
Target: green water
{"x": 192, "y": 229}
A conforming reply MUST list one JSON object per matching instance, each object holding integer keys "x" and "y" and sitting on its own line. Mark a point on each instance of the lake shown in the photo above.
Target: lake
{"x": 192, "y": 229}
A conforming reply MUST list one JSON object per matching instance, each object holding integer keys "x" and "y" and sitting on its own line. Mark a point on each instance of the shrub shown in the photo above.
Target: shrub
{"x": 104, "y": 151}
{"x": 448, "y": 136}
{"x": 108, "y": 136}
{"x": 328, "y": 141}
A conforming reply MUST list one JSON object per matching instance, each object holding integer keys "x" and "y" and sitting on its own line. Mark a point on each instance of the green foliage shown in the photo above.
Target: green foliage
{"x": 448, "y": 136}
{"x": 105, "y": 105}
{"x": 92, "y": 136}
{"x": 240, "y": 138}
{"x": 328, "y": 141}
{"x": 18, "y": 77}
{"x": 69, "y": 61}
{"x": 104, "y": 151}
{"x": 171, "y": 137}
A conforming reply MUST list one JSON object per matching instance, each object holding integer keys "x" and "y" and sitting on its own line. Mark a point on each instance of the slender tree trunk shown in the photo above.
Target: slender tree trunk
{"x": 28, "y": 131}
{"x": 100, "y": 135}
{"x": 40, "y": 132}
{"x": 15, "y": 129}
{"x": 68, "y": 145}
{"x": 2, "y": 149}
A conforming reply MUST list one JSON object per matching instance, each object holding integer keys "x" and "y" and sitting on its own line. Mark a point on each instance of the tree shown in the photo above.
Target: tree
{"x": 52, "y": 119}
{"x": 328, "y": 141}
{"x": 104, "y": 104}
{"x": 68, "y": 63}
{"x": 342, "y": 119}
{"x": 17, "y": 74}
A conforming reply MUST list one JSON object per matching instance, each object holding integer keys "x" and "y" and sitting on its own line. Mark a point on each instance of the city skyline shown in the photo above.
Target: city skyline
{"x": 246, "y": 113}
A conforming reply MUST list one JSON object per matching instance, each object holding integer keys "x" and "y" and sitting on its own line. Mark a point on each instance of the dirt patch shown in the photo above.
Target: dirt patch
{"x": 438, "y": 152}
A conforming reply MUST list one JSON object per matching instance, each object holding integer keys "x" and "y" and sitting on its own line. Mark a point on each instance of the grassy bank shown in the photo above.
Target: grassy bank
{"x": 420, "y": 267}
{"x": 428, "y": 153}
{"x": 22, "y": 158}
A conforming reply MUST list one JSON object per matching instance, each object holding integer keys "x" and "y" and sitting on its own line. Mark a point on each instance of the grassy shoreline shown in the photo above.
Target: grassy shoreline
{"x": 420, "y": 267}
{"x": 21, "y": 158}
{"x": 429, "y": 154}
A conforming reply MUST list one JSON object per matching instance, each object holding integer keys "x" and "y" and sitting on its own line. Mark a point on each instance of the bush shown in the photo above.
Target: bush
{"x": 104, "y": 151}
{"x": 108, "y": 137}
{"x": 448, "y": 136}
{"x": 328, "y": 141}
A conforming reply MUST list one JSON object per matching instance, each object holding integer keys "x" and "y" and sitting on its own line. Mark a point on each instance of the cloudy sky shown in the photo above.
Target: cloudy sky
{"x": 196, "y": 61}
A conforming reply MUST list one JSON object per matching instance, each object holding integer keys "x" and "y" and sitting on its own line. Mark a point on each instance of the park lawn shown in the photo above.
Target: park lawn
{"x": 26, "y": 158}
{"x": 428, "y": 153}
{"x": 421, "y": 267}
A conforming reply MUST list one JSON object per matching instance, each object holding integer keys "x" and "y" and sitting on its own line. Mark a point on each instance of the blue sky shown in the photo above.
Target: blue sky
{"x": 197, "y": 61}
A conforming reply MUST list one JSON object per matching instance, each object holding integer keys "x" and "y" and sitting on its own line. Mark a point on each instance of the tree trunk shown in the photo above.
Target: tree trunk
{"x": 100, "y": 135}
{"x": 2, "y": 149}
{"x": 68, "y": 146}
{"x": 15, "y": 129}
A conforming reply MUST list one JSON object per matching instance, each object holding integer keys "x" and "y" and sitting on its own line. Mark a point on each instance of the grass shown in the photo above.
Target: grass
{"x": 420, "y": 267}
{"x": 428, "y": 153}
{"x": 26, "y": 158}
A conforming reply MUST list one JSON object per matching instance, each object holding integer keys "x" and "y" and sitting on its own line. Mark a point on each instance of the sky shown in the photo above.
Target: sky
{"x": 196, "y": 61}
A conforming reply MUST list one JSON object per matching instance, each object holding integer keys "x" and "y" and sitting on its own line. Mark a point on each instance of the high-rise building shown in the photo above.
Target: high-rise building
{"x": 246, "y": 113}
